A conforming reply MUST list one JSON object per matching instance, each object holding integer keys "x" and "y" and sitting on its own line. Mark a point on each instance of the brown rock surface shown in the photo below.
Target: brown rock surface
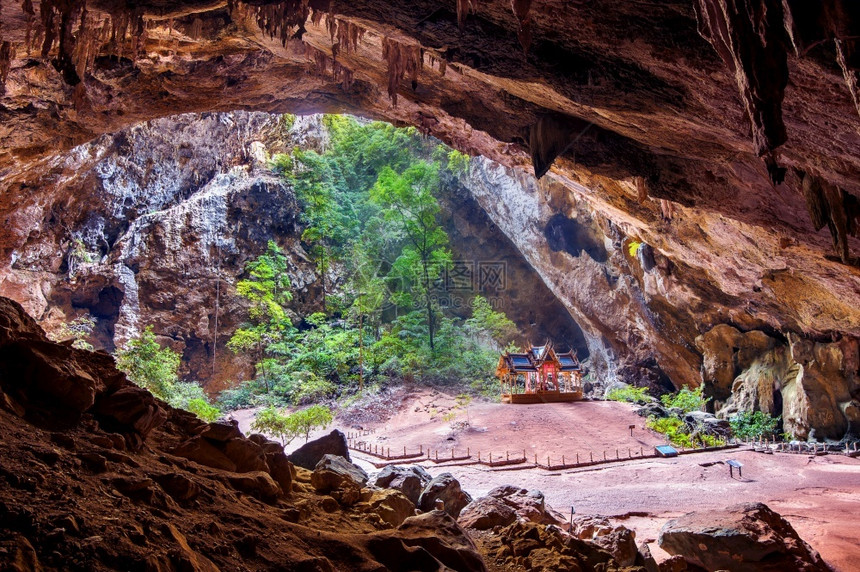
{"x": 747, "y": 538}
{"x": 149, "y": 509}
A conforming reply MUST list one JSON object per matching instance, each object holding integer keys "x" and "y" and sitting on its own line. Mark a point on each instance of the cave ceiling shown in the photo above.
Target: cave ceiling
{"x": 669, "y": 118}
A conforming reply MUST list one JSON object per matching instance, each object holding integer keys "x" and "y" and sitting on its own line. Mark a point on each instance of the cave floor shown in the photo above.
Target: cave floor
{"x": 820, "y": 495}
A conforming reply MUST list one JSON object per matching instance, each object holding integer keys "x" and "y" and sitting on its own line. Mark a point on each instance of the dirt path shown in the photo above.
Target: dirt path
{"x": 820, "y": 496}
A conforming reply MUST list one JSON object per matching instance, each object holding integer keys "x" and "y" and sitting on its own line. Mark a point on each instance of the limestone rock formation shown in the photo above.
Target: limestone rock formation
{"x": 747, "y": 538}
{"x": 812, "y": 385}
{"x": 152, "y": 225}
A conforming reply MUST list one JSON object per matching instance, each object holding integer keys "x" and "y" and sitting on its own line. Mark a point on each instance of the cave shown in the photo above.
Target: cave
{"x": 679, "y": 181}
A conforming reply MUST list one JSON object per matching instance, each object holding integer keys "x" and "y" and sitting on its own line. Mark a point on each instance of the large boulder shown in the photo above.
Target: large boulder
{"x": 486, "y": 513}
{"x": 615, "y": 539}
{"x": 742, "y": 538}
{"x": 258, "y": 484}
{"x": 408, "y": 480}
{"x": 309, "y": 454}
{"x": 447, "y": 489}
{"x": 338, "y": 477}
{"x": 545, "y": 548}
{"x": 707, "y": 423}
{"x": 391, "y": 505}
{"x": 528, "y": 504}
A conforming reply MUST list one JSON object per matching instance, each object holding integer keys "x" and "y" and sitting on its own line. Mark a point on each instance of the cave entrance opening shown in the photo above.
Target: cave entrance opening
{"x": 197, "y": 198}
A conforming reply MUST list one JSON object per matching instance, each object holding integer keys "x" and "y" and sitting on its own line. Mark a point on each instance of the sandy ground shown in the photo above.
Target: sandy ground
{"x": 820, "y": 496}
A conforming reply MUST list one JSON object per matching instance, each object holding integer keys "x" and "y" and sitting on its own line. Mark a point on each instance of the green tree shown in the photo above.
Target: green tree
{"x": 272, "y": 422}
{"x": 499, "y": 326}
{"x": 267, "y": 288}
{"x": 149, "y": 365}
{"x": 306, "y": 420}
{"x": 191, "y": 397}
{"x": 410, "y": 204}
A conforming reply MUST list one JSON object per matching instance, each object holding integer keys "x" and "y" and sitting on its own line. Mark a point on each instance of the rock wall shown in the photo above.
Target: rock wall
{"x": 153, "y": 225}
{"x": 814, "y": 386}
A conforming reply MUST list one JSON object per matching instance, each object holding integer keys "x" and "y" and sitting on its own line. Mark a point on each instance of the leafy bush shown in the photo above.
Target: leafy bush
{"x": 203, "y": 409}
{"x": 633, "y": 248}
{"x": 244, "y": 395}
{"x": 673, "y": 428}
{"x": 191, "y": 397}
{"x": 753, "y": 424}
{"x": 629, "y": 394}
{"x": 686, "y": 400}
{"x": 149, "y": 365}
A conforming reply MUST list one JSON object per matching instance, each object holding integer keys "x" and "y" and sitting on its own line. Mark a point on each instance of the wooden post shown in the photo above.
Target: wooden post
{"x": 437, "y": 454}
{"x": 591, "y": 454}
{"x": 562, "y": 460}
{"x": 507, "y": 456}
{"x": 452, "y": 454}
{"x": 479, "y": 456}
{"x": 535, "y": 458}
{"x": 577, "y": 458}
{"x": 616, "y": 454}
{"x": 604, "y": 454}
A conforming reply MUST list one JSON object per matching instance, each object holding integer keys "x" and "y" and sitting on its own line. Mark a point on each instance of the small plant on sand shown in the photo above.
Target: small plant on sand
{"x": 285, "y": 428}
{"x": 629, "y": 394}
{"x": 463, "y": 402}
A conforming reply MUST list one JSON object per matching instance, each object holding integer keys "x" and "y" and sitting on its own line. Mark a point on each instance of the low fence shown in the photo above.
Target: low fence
{"x": 510, "y": 460}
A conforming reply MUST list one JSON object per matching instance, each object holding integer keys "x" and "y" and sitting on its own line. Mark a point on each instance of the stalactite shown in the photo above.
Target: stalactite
{"x": 438, "y": 60}
{"x": 849, "y": 75}
{"x": 830, "y": 206}
{"x": 196, "y": 30}
{"x": 402, "y": 60}
{"x": 751, "y": 39}
{"x": 278, "y": 21}
{"x": 524, "y": 32}
{"x": 7, "y": 54}
{"x": 344, "y": 75}
{"x": 667, "y": 209}
{"x": 641, "y": 189}
{"x": 30, "y": 17}
{"x": 464, "y": 8}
